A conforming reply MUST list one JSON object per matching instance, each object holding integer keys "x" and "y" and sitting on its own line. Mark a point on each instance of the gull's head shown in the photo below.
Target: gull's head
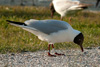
{"x": 79, "y": 40}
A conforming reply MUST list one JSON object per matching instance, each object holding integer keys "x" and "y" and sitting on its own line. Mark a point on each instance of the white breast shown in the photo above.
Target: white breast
{"x": 62, "y": 36}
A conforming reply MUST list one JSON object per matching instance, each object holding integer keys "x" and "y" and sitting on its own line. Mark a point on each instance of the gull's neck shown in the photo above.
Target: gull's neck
{"x": 73, "y": 34}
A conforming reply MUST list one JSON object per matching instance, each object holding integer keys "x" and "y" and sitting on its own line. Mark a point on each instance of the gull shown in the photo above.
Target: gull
{"x": 97, "y": 3}
{"x": 51, "y": 31}
{"x": 64, "y": 7}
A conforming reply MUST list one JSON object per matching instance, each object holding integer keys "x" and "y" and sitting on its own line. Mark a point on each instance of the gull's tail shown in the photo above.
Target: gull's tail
{"x": 85, "y": 6}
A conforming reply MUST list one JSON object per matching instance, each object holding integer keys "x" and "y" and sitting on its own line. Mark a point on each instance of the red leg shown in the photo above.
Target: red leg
{"x": 56, "y": 52}
{"x": 52, "y": 46}
{"x": 70, "y": 18}
{"x": 49, "y": 52}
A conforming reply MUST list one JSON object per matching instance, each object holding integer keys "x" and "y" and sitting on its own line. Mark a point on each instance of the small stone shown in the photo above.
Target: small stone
{"x": 98, "y": 47}
{"x": 89, "y": 48}
{"x": 13, "y": 54}
{"x": 85, "y": 52}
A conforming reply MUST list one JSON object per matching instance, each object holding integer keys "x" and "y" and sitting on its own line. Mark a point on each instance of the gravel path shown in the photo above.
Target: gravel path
{"x": 74, "y": 58}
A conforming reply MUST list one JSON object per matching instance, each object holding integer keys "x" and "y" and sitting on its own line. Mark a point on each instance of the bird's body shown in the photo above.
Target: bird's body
{"x": 52, "y": 31}
{"x": 64, "y": 7}
{"x": 46, "y": 30}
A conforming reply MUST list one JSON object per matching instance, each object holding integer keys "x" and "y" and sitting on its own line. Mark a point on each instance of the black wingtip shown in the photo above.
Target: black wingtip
{"x": 14, "y": 22}
{"x": 85, "y": 7}
{"x": 8, "y": 20}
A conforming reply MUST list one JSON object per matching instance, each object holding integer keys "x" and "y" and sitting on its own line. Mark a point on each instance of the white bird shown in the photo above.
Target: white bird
{"x": 52, "y": 31}
{"x": 64, "y": 7}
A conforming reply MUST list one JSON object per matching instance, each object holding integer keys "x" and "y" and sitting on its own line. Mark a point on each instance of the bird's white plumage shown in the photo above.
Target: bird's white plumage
{"x": 63, "y": 35}
{"x": 63, "y": 7}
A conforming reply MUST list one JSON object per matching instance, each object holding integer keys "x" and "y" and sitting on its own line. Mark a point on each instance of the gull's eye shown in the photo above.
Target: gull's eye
{"x": 79, "y": 39}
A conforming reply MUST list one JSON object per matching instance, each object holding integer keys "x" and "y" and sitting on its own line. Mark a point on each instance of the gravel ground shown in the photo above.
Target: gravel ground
{"x": 74, "y": 58}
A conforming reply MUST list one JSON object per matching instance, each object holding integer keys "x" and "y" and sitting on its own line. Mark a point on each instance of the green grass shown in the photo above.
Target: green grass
{"x": 15, "y": 39}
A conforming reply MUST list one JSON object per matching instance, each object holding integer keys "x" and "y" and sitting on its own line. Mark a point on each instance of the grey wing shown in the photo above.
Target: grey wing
{"x": 48, "y": 26}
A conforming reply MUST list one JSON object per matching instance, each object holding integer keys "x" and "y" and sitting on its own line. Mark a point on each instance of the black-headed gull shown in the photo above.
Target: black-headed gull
{"x": 97, "y": 3}
{"x": 64, "y": 7}
{"x": 52, "y": 31}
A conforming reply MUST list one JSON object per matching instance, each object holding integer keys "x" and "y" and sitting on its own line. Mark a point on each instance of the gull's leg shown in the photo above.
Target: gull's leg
{"x": 61, "y": 18}
{"x": 52, "y": 13}
{"x": 70, "y": 18}
{"x": 56, "y": 52}
{"x": 49, "y": 52}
